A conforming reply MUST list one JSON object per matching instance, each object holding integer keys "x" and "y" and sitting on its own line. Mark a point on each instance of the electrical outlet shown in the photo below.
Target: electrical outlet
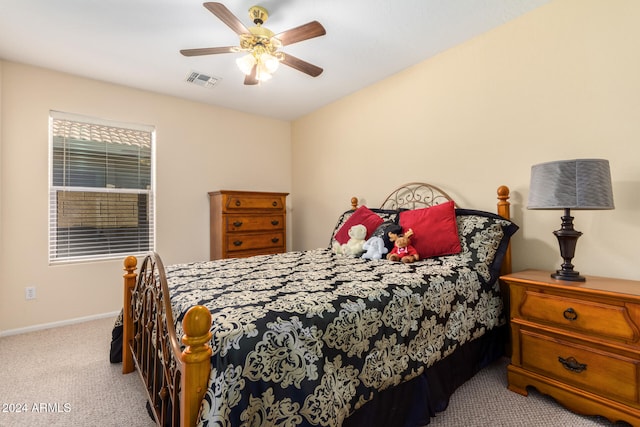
{"x": 30, "y": 292}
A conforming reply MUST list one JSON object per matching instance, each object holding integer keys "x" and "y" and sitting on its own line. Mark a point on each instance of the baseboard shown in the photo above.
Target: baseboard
{"x": 57, "y": 324}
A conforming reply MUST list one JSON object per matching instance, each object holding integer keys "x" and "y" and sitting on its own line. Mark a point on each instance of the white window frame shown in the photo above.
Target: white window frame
{"x": 88, "y": 129}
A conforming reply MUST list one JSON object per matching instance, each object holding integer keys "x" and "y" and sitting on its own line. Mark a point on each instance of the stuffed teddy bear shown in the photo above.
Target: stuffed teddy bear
{"x": 374, "y": 248}
{"x": 357, "y": 236}
{"x": 402, "y": 249}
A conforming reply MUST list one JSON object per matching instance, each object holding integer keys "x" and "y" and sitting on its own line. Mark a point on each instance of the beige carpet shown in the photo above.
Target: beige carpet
{"x": 58, "y": 387}
{"x": 79, "y": 388}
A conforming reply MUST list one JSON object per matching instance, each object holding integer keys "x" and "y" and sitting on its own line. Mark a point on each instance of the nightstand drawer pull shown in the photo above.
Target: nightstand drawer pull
{"x": 275, "y": 240}
{"x": 275, "y": 222}
{"x": 570, "y": 314}
{"x": 572, "y": 364}
{"x": 237, "y": 243}
{"x": 274, "y": 204}
{"x": 238, "y": 203}
{"x": 237, "y": 223}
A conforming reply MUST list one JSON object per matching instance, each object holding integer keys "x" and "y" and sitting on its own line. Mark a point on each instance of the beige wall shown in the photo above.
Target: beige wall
{"x": 560, "y": 82}
{"x": 199, "y": 149}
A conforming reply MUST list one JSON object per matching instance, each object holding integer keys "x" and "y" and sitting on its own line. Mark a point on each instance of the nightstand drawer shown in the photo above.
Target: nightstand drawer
{"x": 607, "y": 374}
{"x": 593, "y": 318}
{"x": 254, "y": 223}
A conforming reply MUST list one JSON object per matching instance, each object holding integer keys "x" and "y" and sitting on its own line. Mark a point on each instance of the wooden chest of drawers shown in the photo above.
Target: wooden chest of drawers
{"x": 246, "y": 223}
{"x": 578, "y": 342}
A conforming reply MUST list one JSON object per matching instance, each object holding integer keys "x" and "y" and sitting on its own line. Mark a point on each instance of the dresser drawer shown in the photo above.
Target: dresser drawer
{"x": 594, "y": 318}
{"x": 240, "y": 202}
{"x": 243, "y": 242}
{"x": 241, "y": 223}
{"x": 607, "y": 374}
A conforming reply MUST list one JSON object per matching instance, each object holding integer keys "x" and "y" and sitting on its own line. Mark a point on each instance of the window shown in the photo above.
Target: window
{"x": 101, "y": 193}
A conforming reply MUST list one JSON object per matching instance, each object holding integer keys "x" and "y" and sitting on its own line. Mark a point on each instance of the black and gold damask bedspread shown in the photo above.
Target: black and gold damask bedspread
{"x": 306, "y": 338}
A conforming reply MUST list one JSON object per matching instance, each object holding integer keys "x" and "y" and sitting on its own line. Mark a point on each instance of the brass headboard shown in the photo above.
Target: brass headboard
{"x": 415, "y": 195}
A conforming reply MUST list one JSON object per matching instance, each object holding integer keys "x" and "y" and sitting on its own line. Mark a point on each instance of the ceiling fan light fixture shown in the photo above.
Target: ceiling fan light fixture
{"x": 269, "y": 62}
{"x": 246, "y": 63}
{"x": 262, "y": 75}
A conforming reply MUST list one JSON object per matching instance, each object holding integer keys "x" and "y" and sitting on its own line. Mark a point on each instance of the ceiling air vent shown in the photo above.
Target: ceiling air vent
{"x": 202, "y": 79}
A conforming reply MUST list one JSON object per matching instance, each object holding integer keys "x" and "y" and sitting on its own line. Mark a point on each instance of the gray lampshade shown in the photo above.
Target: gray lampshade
{"x": 574, "y": 184}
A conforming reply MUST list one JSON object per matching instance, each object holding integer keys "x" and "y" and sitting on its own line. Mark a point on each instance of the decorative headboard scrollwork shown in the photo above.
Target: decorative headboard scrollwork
{"x": 415, "y": 195}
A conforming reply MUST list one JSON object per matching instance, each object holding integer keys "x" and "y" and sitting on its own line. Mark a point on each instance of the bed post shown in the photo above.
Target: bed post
{"x": 130, "y": 264}
{"x": 197, "y": 362}
{"x": 505, "y": 212}
{"x": 354, "y": 203}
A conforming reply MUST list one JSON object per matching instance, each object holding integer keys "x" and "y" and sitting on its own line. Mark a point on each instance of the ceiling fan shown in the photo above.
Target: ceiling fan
{"x": 261, "y": 44}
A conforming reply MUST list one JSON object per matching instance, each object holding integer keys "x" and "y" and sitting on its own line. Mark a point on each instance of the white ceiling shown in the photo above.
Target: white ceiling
{"x": 136, "y": 43}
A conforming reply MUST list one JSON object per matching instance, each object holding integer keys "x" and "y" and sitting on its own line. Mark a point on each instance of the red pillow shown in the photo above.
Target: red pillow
{"x": 435, "y": 229}
{"x": 363, "y": 215}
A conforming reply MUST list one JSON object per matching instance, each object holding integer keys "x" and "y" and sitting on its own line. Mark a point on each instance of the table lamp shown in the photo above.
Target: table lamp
{"x": 570, "y": 184}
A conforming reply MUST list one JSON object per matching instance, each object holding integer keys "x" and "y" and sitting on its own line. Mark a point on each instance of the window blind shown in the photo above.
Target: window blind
{"x": 101, "y": 193}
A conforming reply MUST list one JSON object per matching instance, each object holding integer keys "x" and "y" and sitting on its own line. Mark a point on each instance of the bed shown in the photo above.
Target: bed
{"x": 315, "y": 338}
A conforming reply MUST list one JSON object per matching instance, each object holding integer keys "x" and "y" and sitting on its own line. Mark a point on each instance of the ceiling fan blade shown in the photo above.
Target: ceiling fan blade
{"x": 208, "y": 50}
{"x": 300, "y": 65}
{"x": 303, "y": 32}
{"x": 226, "y": 16}
{"x": 251, "y": 79}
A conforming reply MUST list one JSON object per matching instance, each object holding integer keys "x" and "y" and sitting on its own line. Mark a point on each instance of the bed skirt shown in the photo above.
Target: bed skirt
{"x": 412, "y": 404}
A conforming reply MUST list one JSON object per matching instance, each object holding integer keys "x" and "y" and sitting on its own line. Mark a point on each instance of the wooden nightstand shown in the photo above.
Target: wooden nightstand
{"x": 246, "y": 223}
{"x": 578, "y": 342}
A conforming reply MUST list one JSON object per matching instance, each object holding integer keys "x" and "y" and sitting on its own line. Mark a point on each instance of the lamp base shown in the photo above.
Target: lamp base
{"x": 571, "y": 275}
{"x": 567, "y": 239}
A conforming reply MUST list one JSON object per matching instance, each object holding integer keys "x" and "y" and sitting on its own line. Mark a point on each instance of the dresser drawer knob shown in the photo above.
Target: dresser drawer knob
{"x": 570, "y": 314}
{"x": 237, "y": 223}
{"x": 237, "y": 202}
{"x": 237, "y": 243}
{"x": 275, "y": 240}
{"x": 274, "y": 204}
{"x": 571, "y": 364}
{"x": 275, "y": 222}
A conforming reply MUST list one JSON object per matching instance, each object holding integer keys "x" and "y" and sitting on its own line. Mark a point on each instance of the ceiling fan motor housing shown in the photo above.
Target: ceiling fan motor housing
{"x": 259, "y": 37}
